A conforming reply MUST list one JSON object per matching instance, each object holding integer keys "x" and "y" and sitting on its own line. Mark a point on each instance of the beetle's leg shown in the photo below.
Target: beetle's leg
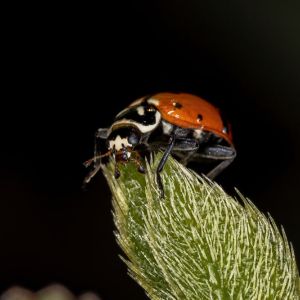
{"x": 187, "y": 147}
{"x": 163, "y": 162}
{"x": 97, "y": 155}
{"x": 218, "y": 152}
{"x": 117, "y": 171}
{"x": 101, "y": 133}
{"x": 185, "y": 160}
{"x": 97, "y": 167}
{"x": 136, "y": 158}
{"x": 90, "y": 175}
{"x": 219, "y": 168}
{"x": 140, "y": 168}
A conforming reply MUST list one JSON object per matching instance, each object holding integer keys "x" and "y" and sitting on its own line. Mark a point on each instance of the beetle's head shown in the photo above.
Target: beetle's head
{"x": 123, "y": 139}
{"x": 121, "y": 143}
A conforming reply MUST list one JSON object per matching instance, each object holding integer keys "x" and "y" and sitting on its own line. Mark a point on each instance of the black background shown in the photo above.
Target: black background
{"x": 69, "y": 69}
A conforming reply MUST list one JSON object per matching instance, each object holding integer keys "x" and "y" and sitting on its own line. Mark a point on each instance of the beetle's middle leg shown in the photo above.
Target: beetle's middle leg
{"x": 185, "y": 149}
{"x": 224, "y": 154}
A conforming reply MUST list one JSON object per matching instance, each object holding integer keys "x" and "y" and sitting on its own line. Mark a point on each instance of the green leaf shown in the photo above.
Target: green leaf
{"x": 198, "y": 242}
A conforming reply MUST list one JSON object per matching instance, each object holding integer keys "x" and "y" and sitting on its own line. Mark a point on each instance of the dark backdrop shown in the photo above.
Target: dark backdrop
{"x": 69, "y": 69}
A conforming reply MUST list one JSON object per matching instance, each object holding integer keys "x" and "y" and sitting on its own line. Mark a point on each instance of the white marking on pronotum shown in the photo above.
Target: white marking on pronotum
{"x": 197, "y": 133}
{"x": 141, "y": 127}
{"x": 140, "y": 110}
{"x": 177, "y": 116}
{"x": 153, "y": 101}
{"x": 137, "y": 102}
{"x": 118, "y": 142}
{"x": 170, "y": 112}
{"x": 167, "y": 127}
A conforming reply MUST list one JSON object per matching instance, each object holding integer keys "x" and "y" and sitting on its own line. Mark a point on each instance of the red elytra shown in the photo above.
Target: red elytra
{"x": 190, "y": 111}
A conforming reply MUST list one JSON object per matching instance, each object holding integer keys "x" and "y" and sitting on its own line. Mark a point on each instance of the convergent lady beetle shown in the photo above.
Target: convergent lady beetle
{"x": 184, "y": 125}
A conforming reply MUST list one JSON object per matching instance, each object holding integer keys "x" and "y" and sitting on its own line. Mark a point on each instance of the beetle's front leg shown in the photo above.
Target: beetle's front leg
{"x": 163, "y": 162}
{"x": 101, "y": 133}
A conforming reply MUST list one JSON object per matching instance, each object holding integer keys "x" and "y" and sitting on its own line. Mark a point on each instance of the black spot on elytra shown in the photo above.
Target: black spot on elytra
{"x": 199, "y": 117}
{"x": 177, "y": 105}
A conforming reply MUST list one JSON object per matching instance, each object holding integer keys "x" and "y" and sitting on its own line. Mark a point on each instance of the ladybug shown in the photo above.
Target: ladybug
{"x": 184, "y": 125}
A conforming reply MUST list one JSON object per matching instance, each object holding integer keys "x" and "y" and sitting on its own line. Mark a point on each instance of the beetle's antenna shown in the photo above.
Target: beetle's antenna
{"x": 97, "y": 166}
{"x": 95, "y": 159}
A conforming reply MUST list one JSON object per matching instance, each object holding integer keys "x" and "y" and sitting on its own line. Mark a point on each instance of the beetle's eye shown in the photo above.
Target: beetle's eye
{"x": 133, "y": 139}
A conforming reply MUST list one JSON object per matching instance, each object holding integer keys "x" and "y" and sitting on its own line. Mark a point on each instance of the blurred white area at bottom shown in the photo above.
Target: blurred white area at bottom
{"x": 51, "y": 292}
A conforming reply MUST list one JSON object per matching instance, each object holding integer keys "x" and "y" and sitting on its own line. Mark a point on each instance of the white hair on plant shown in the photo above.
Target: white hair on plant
{"x": 198, "y": 242}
